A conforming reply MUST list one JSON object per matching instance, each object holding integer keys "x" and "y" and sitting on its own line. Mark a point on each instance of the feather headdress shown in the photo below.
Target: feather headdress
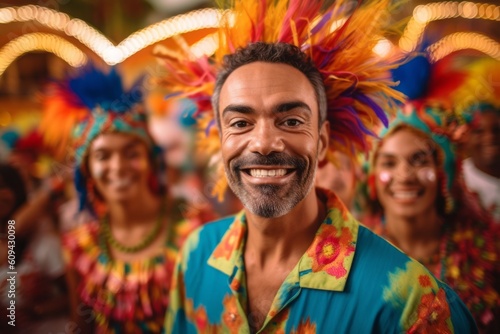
{"x": 82, "y": 106}
{"x": 338, "y": 38}
{"x": 485, "y": 93}
{"x": 435, "y": 111}
{"x": 431, "y": 108}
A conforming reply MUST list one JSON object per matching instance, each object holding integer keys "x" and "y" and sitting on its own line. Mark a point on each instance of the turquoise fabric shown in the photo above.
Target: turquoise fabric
{"x": 133, "y": 122}
{"x": 348, "y": 281}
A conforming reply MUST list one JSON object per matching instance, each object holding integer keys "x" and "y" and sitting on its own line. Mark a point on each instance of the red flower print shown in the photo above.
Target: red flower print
{"x": 235, "y": 284}
{"x": 307, "y": 327}
{"x": 278, "y": 323}
{"x": 433, "y": 312}
{"x": 329, "y": 250}
{"x": 424, "y": 280}
{"x": 231, "y": 316}
{"x": 198, "y": 317}
{"x": 230, "y": 242}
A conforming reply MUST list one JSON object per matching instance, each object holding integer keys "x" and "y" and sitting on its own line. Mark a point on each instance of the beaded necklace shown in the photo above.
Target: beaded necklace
{"x": 107, "y": 236}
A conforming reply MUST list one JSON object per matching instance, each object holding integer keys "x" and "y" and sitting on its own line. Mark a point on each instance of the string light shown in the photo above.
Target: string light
{"x": 461, "y": 41}
{"x": 206, "y": 46}
{"x": 383, "y": 47}
{"x": 41, "y": 42}
{"x": 98, "y": 43}
{"x": 424, "y": 14}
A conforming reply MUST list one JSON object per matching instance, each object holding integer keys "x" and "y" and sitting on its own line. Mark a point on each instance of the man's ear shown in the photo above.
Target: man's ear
{"x": 324, "y": 140}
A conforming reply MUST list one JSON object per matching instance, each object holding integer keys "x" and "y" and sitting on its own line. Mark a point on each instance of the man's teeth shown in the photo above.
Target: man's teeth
{"x": 267, "y": 172}
{"x": 406, "y": 194}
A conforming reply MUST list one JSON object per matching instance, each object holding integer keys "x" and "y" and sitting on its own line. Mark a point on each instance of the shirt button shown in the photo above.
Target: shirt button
{"x": 232, "y": 317}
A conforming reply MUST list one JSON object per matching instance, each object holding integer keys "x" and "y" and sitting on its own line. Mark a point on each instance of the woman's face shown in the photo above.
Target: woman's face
{"x": 119, "y": 165}
{"x": 406, "y": 174}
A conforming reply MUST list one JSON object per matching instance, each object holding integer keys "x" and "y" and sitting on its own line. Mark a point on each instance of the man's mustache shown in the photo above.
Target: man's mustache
{"x": 272, "y": 159}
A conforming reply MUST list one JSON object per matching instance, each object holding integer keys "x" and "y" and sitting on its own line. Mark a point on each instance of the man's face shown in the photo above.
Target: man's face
{"x": 270, "y": 138}
{"x": 484, "y": 141}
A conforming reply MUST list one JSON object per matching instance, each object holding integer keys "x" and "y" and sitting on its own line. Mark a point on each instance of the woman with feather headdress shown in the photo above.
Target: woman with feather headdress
{"x": 120, "y": 263}
{"x": 417, "y": 197}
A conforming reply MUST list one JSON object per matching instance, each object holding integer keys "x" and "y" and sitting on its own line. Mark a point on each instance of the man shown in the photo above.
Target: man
{"x": 290, "y": 91}
{"x": 294, "y": 259}
{"x": 482, "y": 169}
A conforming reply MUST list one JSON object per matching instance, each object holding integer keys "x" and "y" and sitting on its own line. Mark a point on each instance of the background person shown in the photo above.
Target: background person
{"x": 38, "y": 262}
{"x": 420, "y": 203}
{"x": 119, "y": 264}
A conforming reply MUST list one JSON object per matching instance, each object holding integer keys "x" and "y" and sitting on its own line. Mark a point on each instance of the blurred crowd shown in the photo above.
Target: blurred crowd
{"x": 430, "y": 186}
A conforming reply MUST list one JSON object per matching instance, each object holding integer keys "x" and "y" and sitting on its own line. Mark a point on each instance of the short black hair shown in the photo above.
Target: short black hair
{"x": 278, "y": 53}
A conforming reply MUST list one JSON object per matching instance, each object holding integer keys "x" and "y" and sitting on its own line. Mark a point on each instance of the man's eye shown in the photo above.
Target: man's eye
{"x": 239, "y": 124}
{"x": 292, "y": 122}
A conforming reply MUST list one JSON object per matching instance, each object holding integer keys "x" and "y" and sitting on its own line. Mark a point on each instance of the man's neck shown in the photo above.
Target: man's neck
{"x": 286, "y": 238}
{"x": 273, "y": 248}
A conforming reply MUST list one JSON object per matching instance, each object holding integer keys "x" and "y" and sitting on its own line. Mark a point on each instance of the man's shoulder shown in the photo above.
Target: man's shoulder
{"x": 377, "y": 252}
{"x": 218, "y": 227}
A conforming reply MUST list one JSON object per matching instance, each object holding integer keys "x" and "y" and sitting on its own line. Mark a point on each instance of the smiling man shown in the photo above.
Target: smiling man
{"x": 295, "y": 260}
{"x": 271, "y": 140}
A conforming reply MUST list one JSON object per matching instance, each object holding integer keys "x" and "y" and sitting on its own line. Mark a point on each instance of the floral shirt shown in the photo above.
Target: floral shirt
{"x": 348, "y": 281}
{"x": 468, "y": 261}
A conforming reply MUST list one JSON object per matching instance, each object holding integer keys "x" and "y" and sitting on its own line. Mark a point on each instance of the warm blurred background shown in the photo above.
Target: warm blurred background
{"x": 42, "y": 39}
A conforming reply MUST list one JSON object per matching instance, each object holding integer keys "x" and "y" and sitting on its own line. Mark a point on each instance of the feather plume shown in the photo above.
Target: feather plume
{"x": 431, "y": 85}
{"x": 338, "y": 39}
{"x": 72, "y": 101}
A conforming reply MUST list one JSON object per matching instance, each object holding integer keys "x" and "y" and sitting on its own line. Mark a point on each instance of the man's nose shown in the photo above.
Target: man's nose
{"x": 266, "y": 139}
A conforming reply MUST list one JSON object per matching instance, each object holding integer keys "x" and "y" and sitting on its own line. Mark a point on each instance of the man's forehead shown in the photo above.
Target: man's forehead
{"x": 261, "y": 69}
{"x": 260, "y": 79}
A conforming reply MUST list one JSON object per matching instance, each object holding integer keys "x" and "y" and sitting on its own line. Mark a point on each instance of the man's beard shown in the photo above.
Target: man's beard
{"x": 271, "y": 200}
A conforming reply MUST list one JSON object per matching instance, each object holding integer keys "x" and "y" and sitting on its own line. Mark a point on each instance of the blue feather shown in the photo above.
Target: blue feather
{"x": 413, "y": 77}
{"x": 95, "y": 88}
